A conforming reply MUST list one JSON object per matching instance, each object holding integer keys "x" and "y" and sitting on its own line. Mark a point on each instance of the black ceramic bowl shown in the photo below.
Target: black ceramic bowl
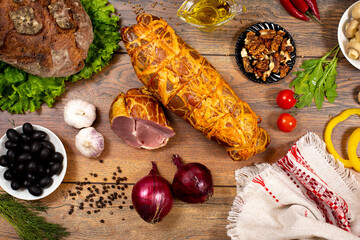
{"x": 240, "y": 44}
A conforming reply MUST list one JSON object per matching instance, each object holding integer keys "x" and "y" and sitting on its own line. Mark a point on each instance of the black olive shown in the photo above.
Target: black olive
{"x": 11, "y": 145}
{"x": 35, "y": 147}
{"x": 45, "y": 182}
{"x": 57, "y": 157}
{"x": 45, "y": 154}
{"x": 11, "y": 155}
{"x": 26, "y": 183}
{"x": 30, "y": 177}
{"x": 48, "y": 145}
{"x": 25, "y": 147}
{"x": 38, "y": 135}
{"x": 32, "y": 167}
{"x": 56, "y": 168}
{"x": 15, "y": 184}
{"x": 8, "y": 175}
{"x": 41, "y": 169}
{"x": 28, "y": 129}
{"x": 13, "y": 135}
{"x": 25, "y": 138}
{"x": 48, "y": 172}
{"x": 35, "y": 190}
{"x": 11, "y": 165}
{"x": 24, "y": 157}
{"x": 3, "y": 161}
{"x": 20, "y": 169}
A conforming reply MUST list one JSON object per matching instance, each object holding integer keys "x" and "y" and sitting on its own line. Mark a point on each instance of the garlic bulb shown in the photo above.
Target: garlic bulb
{"x": 79, "y": 113}
{"x": 89, "y": 142}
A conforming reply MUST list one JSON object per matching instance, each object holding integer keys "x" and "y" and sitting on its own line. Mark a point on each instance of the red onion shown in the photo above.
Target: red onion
{"x": 152, "y": 197}
{"x": 192, "y": 182}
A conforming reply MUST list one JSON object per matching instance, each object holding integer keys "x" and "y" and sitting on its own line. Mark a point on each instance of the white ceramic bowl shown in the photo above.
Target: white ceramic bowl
{"x": 344, "y": 41}
{"x": 23, "y": 193}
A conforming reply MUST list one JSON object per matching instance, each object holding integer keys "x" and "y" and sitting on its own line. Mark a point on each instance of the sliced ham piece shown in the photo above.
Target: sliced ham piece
{"x": 140, "y": 133}
{"x": 138, "y": 119}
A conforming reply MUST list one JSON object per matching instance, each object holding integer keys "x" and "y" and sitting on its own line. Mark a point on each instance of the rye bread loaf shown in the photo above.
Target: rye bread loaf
{"x": 47, "y": 38}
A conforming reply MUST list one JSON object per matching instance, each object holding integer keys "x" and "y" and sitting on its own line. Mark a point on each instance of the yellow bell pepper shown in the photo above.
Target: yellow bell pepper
{"x": 328, "y": 131}
{"x": 352, "y": 146}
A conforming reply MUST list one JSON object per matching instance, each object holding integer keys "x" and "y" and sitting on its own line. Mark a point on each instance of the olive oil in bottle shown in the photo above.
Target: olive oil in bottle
{"x": 208, "y": 12}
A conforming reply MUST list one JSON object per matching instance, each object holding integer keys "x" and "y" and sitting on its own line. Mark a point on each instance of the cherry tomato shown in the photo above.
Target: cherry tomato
{"x": 285, "y": 99}
{"x": 286, "y": 122}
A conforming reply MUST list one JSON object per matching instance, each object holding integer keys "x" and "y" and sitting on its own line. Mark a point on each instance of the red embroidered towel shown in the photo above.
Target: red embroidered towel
{"x": 305, "y": 195}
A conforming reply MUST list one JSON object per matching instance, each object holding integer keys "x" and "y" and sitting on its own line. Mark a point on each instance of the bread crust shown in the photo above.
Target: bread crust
{"x": 47, "y": 38}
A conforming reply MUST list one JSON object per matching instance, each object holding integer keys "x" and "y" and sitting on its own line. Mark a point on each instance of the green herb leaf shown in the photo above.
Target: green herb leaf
{"x": 302, "y": 83}
{"x": 330, "y": 81}
{"x": 309, "y": 64}
{"x": 319, "y": 97}
{"x": 14, "y": 75}
{"x": 331, "y": 93}
{"x": 305, "y": 100}
{"x": 316, "y": 80}
{"x": 315, "y": 75}
{"x": 26, "y": 220}
{"x": 21, "y": 92}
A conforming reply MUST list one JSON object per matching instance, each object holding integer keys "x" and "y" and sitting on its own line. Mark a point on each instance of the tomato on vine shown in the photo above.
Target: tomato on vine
{"x": 285, "y": 99}
{"x": 286, "y": 122}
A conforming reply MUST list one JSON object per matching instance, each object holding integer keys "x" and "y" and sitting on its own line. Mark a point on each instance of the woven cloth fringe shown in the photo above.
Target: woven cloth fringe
{"x": 245, "y": 177}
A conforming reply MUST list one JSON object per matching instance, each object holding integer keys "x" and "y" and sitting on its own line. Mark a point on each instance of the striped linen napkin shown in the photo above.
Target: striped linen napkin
{"x": 305, "y": 195}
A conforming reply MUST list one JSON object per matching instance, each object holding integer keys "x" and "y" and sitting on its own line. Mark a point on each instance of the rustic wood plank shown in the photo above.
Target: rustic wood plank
{"x": 119, "y": 76}
{"x": 205, "y": 221}
{"x": 320, "y": 38}
{"x": 208, "y": 219}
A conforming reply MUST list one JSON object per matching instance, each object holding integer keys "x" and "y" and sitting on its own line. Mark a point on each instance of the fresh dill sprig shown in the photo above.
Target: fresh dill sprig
{"x": 24, "y": 216}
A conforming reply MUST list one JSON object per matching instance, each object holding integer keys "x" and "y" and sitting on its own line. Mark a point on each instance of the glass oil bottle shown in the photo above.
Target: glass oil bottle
{"x": 208, "y": 14}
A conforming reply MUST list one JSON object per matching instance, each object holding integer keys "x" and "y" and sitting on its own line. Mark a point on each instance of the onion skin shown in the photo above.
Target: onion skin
{"x": 152, "y": 197}
{"x": 192, "y": 182}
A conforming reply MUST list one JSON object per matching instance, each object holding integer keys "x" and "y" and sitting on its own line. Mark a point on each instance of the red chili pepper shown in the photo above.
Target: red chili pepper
{"x": 313, "y": 6}
{"x": 292, "y": 10}
{"x": 300, "y": 5}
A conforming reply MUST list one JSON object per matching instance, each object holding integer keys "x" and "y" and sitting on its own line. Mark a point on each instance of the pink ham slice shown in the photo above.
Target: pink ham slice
{"x": 141, "y": 133}
{"x": 138, "y": 118}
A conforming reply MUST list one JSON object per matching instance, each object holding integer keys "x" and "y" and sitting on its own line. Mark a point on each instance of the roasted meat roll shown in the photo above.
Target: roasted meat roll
{"x": 187, "y": 84}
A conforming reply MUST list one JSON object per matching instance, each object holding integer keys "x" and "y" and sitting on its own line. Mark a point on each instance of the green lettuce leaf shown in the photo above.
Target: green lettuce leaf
{"x": 21, "y": 92}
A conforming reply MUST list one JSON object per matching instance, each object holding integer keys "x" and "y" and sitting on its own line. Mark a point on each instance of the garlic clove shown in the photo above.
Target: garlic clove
{"x": 79, "y": 113}
{"x": 89, "y": 142}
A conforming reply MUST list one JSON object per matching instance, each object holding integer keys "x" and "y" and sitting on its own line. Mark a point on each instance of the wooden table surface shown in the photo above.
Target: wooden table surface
{"x": 202, "y": 221}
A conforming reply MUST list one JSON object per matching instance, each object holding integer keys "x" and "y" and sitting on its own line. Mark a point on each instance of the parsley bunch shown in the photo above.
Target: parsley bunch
{"x": 20, "y": 91}
{"x": 316, "y": 81}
